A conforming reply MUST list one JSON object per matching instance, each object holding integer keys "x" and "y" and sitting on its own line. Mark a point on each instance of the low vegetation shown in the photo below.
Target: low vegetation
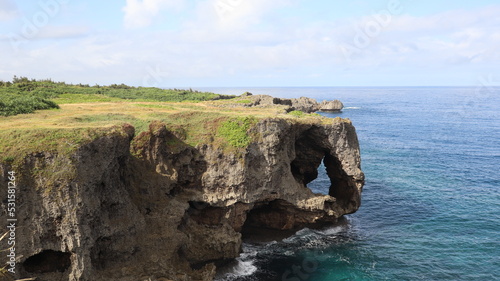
{"x": 244, "y": 101}
{"x": 24, "y": 95}
{"x": 13, "y": 104}
{"x": 297, "y": 113}
{"x": 235, "y": 131}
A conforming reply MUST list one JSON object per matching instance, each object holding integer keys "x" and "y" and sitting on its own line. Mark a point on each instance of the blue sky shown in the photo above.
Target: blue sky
{"x": 195, "y": 43}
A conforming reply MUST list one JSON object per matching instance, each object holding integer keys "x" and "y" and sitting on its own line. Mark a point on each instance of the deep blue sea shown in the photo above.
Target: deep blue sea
{"x": 431, "y": 204}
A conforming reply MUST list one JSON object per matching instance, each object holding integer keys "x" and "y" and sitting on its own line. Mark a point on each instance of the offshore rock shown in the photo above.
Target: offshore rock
{"x": 331, "y": 106}
{"x": 151, "y": 207}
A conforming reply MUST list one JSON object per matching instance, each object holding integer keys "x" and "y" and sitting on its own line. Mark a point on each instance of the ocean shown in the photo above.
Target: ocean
{"x": 431, "y": 203}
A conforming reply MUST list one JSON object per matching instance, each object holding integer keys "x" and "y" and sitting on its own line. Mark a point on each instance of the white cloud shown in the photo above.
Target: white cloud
{"x": 8, "y": 10}
{"x": 439, "y": 40}
{"x": 240, "y": 14}
{"x": 234, "y": 21}
{"x": 255, "y": 43}
{"x": 141, "y": 13}
{"x": 62, "y": 32}
{"x": 47, "y": 33}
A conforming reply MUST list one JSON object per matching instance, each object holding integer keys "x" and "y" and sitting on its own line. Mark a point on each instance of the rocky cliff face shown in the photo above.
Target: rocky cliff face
{"x": 150, "y": 207}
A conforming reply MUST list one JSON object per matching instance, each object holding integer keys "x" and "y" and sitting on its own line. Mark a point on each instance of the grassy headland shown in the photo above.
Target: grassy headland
{"x": 49, "y": 116}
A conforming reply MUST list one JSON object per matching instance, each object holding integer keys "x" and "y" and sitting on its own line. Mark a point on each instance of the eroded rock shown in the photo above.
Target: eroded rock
{"x": 156, "y": 208}
{"x": 331, "y": 106}
{"x": 304, "y": 104}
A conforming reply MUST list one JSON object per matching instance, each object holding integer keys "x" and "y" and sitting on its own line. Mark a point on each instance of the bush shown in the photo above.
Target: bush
{"x": 14, "y": 105}
{"x": 297, "y": 113}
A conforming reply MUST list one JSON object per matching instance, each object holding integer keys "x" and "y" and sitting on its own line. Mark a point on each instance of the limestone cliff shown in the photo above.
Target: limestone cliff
{"x": 148, "y": 206}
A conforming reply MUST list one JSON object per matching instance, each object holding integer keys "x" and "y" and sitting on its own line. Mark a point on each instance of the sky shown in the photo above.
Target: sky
{"x": 253, "y": 43}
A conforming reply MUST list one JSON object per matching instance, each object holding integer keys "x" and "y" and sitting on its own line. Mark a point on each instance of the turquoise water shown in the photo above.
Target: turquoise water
{"x": 431, "y": 203}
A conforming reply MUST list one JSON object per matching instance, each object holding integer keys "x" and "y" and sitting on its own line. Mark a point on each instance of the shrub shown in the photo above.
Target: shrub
{"x": 13, "y": 105}
{"x": 297, "y": 113}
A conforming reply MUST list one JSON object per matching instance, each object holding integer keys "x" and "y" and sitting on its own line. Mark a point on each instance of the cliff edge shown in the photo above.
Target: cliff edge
{"x": 122, "y": 204}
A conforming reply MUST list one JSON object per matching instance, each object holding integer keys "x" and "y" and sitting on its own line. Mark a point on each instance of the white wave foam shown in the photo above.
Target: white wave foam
{"x": 242, "y": 268}
{"x": 331, "y": 231}
{"x": 303, "y": 232}
{"x": 352, "y": 107}
{"x": 244, "y": 265}
{"x": 248, "y": 254}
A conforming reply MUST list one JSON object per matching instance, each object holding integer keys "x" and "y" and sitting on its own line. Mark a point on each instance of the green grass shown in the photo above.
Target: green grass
{"x": 163, "y": 106}
{"x": 68, "y": 98}
{"x": 192, "y": 127}
{"x": 8, "y": 159}
{"x": 11, "y": 104}
{"x": 24, "y": 95}
{"x": 244, "y": 101}
{"x": 112, "y": 119}
{"x": 235, "y": 131}
{"x": 297, "y": 113}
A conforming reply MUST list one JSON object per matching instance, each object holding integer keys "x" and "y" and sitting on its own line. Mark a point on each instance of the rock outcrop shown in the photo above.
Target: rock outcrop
{"x": 304, "y": 104}
{"x": 150, "y": 207}
{"x": 331, "y": 106}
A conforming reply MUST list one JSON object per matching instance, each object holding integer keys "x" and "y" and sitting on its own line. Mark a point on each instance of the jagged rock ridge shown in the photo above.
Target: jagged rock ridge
{"x": 150, "y": 207}
{"x": 303, "y": 104}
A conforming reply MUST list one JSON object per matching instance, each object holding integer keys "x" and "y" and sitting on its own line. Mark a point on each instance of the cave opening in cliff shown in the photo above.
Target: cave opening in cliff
{"x": 308, "y": 158}
{"x": 310, "y": 166}
{"x": 340, "y": 187}
{"x": 317, "y": 167}
{"x": 270, "y": 220}
{"x": 322, "y": 182}
{"x": 48, "y": 261}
